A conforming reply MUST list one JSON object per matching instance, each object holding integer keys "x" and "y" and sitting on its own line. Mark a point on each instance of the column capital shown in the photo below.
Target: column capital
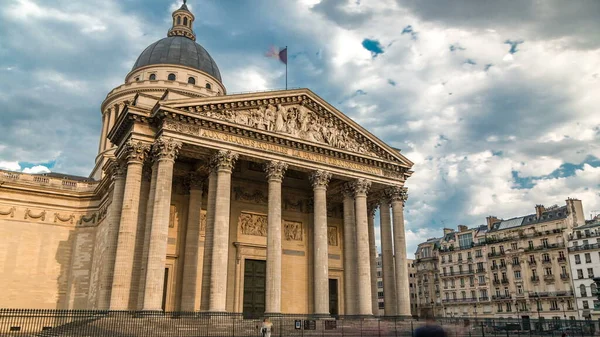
{"x": 166, "y": 148}
{"x": 194, "y": 181}
{"x": 397, "y": 193}
{"x": 320, "y": 178}
{"x": 275, "y": 170}
{"x": 135, "y": 151}
{"x": 223, "y": 160}
{"x": 361, "y": 186}
{"x": 117, "y": 169}
{"x": 348, "y": 190}
{"x": 371, "y": 208}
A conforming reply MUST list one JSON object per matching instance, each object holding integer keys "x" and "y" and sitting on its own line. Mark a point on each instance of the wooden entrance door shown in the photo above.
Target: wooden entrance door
{"x": 333, "y": 297}
{"x": 254, "y": 288}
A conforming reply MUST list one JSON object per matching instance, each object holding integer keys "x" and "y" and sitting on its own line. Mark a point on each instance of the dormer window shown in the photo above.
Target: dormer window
{"x": 152, "y": 77}
{"x": 191, "y": 80}
{"x": 208, "y": 86}
{"x": 171, "y": 77}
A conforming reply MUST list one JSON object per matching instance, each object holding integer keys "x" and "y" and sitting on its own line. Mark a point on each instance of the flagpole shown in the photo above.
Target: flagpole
{"x": 286, "y": 62}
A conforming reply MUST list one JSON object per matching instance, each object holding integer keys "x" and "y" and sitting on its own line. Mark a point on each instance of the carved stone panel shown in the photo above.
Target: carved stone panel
{"x": 332, "y": 236}
{"x": 253, "y": 224}
{"x": 173, "y": 216}
{"x": 202, "y": 223}
{"x": 292, "y": 230}
{"x": 255, "y": 196}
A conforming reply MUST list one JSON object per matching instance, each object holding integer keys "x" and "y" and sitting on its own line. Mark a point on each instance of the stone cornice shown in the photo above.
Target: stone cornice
{"x": 34, "y": 183}
{"x": 123, "y": 124}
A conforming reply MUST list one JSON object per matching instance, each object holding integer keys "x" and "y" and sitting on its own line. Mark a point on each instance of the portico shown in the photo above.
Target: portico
{"x": 279, "y": 177}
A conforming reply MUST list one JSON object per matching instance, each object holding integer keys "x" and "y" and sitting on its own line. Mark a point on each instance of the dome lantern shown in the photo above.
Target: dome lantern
{"x": 182, "y": 23}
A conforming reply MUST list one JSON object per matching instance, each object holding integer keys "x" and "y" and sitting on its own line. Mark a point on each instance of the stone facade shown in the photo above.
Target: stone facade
{"x": 192, "y": 190}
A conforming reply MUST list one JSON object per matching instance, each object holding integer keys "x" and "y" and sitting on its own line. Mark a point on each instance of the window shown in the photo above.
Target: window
{"x": 534, "y": 273}
{"x": 137, "y": 78}
{"x": 519, "y": 289}
{"x": 553, "y": 305}
{"x": 531, "y": 258}
{"x": 185, "y": 21}
{"x": 590, "y": 272}
{"x": 379, "y": 273}
{"x": 501, "y": 249}
{"x": 465, "y": 240}
{"x": 508, "y": 307}
{"x": 506, "y": 293}
{"x": 459, "y": 257}
{"x": 179, "y": 20}
{"x": 549, "y": 271}
{"x": 443, "y": 259}
{"x": 453, "y": 295}
{"x": 470, "y": 268}
{"x": 483, "y": 293}
{"x": 545, "y": 243}
{"x": 171, "y": 77}
{"x": 530, "y": 244}
{"x": 464, "y": 295}
{"x": 497, "y": 291}
{"x": 379, "y": 284}
{"x": 462, "y": 282}
{"x": 577, "y": 259}
{"x": 499, "y": 307}
{"x": 451, "y": 270}
{"x": 152, "y": 77}
{"x": 588, "y": 258}
{"x": 515, "y": 260}
{"x": 479, "y": 266}
{"x": 579, "y": 273}
{"x": 586, "y": 305}
{"x": 380, "y": 294}
{"x": 563, "y": 269}
{"x": 593, "y": 289}
{"x": 478, "y": 253}
{"x": 513, "y": 246}
{"x": 495, "y": 277}
{"x": 208, "y": 86}
{"x": 469, "y": 255}
{"x": 481, "y": 279}
{"x": 426, "y": 252}
{"x": 546, "y": 257}
{"x": 582, "y": 290}
{"x": 540, "y": 307}
{"x": 191, "y": 80}
{"x": 517, "y": 274}
{"x": 381, "y": 305}
{"x": 460, "y": 269}
{"x": 561, "y": 255}
{"x": 493, "y": 250}
{"x": 502, "y": 263}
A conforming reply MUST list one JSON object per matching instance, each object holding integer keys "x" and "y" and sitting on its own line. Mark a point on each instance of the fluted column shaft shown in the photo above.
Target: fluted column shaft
{"x": 106, "y": 277}
{"x": 134, "y": 298}
{"x": 364, "y": 306}
{"x": 225, "y": 160}
{"x": 319, "y": 180}
{"x": 349, "y": 251}
{"x": 373, "y": 260}
{"x": 135, "y": 152}
{"x": 387, "y": 259}
{"x": 275, "y": 171}
{"x": 147, "y": 231}
{"x": 208, "y": 239}
{"x": 192, "y": 241}
{"x": 398, "y": 196}
{"x": 166, "y": 151}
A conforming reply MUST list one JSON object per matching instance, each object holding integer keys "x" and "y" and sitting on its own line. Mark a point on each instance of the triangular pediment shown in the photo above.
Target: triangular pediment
{"x": 299, "y": 114}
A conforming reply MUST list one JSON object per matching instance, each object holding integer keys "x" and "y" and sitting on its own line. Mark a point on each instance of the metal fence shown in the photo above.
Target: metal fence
{"x": 28, "y": 322}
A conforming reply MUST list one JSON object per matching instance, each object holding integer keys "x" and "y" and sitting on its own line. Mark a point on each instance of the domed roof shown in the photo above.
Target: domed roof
{"x": 178, "y": 50}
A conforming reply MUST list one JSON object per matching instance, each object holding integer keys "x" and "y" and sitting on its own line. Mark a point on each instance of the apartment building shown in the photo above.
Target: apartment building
{"x": 584, "y": 259}
{"x": 412, "y": 281}
{"x": 515, "y": 268}
{"x": 428, "y": 279}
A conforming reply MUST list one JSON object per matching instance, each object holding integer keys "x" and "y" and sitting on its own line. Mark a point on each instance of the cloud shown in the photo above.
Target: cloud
{"x": 10, "y": 165}
{"x": 36, "y": 169}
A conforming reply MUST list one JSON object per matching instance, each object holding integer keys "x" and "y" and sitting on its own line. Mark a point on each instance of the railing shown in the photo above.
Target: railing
{"x": 535, "y": 278}
{"x": 584, "y": 247}
{"x": 561, "y": 259}
{"x": 501, "y": 297}
{"x": 480, "y": 270}
{"x": 564, "y": 276}
{"x": 531, "y": 262}
{"x": 37, "y": 180}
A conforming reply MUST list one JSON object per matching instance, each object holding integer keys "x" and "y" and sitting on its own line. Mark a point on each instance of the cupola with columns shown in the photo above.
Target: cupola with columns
{"x": 182, "y": 23}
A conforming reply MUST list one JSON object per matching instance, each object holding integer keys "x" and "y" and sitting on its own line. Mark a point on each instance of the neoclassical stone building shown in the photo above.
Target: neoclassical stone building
{"x": 199, "y": 200}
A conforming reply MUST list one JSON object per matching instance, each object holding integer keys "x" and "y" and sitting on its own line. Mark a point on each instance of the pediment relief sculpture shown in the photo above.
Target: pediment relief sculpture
{"x": 298, "y": 121}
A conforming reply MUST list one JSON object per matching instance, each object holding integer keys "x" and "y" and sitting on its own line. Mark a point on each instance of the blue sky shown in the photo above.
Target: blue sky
{"x": 495, "y": 102}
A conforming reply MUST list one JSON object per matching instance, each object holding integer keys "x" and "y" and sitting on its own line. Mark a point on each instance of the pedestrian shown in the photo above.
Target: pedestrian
{"x": 430, "y": 329}
{"x": 265, "y": 330}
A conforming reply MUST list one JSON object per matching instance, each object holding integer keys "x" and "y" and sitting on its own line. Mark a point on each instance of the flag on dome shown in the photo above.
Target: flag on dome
{"x": 280, "y": 54}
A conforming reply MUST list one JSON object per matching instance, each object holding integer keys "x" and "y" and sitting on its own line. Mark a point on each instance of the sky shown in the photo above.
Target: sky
{"x": 496, "y": 102}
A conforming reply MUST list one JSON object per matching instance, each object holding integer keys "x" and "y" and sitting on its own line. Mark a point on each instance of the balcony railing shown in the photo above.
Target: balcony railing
{"x": 531, "y": 263}
{"x": 501, "y": 297}
{"x": 546, "y": 261}
{"x": 548, "y": 277}
{"x": 535, "y": 278}
{"x": 494, "y": 254}
{"x": 564, "y": 276}
{"x": 480, "y": 270}
{"x": 516, "y": 263}
{"x": 463, "y": 300}
{"x": 484, "y": 298}
{"x": 584, "y": 247}
{"x": 561, "y": 259}
{"x": 504, "y": 281}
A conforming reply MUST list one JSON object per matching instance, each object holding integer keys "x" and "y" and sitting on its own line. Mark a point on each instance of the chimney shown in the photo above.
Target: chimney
{"x": 448, "y": 231}
{"x": 575, "y": 212}
{"x": 491, "y": 220}
{"x": 539, "y": 209}
{"x": 462, "y": 228}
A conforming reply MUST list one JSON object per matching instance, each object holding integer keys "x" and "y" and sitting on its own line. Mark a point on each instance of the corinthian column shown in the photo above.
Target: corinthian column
{"x": 319, "y": 180}
{"x": 387, "y": 259}
{"x": 108, "y": 264}
{"x": 208, "y": 238}
{"x": 364, "y": 307}
{"x": 373, "y": 258}
{"x": 134, "y": 152}
{"x": 192, "y": 241}
{"x": 349, "y": 251}
{"x": 224, "y": 162}
{"x": 165, "y": 150}
{"x": 275, "y": 171}
{"x": 147, "y": 231}
{"x": 398, "y": 196}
